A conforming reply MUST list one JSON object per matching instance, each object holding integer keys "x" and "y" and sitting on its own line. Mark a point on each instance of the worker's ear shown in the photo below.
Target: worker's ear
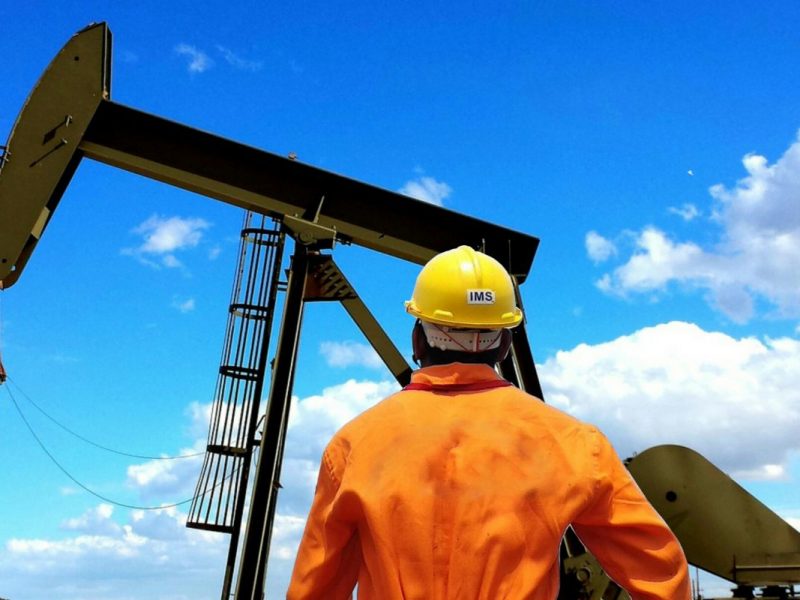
{"x": 419, "y": 343}
{"x": 506, "y": 337}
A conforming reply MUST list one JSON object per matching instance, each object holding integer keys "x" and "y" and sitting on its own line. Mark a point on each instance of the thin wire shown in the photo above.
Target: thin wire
{"x": 95, "y": 444}
{"x": 84, "y": 487}
{"x": 2, "y": 325}
{"x": 3, "y": 374}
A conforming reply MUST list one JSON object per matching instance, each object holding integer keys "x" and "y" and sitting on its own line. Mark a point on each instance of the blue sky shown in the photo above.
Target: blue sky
{"x": 653, "y": 149}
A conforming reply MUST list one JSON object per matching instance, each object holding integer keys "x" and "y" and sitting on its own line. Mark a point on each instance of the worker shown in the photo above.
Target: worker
{"x": 461, "y": 486}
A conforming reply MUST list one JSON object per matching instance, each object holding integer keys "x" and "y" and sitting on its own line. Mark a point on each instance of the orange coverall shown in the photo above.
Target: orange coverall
{"x": 461, "y": 487}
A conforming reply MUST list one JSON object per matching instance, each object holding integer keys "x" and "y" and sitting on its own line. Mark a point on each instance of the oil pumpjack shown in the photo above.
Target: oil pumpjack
{"x": 69, "y": 116}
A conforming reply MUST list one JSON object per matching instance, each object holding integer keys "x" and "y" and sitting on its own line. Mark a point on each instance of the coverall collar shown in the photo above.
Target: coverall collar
{"x": 456, "y": 374}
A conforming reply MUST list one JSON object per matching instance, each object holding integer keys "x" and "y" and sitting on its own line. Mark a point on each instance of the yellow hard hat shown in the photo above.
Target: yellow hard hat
{"x": 465, "y": 288}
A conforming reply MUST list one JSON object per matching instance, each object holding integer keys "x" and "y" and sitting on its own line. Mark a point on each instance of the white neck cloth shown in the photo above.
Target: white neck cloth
{"x": 463, "y": 340}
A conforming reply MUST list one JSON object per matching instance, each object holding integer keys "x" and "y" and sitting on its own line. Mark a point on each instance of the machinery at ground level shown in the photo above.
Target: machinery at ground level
{"x": 69, "y": 116}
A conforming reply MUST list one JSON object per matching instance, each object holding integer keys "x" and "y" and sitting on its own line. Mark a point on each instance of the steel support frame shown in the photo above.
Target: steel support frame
{"x": 518, "y": 367}
{"x": 332, "y": 285}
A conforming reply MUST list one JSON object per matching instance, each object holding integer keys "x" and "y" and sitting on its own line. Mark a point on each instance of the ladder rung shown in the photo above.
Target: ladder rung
{"x": 226, "y": 450}
{"x": 251, "y": 311}
{"x": 238, "y": 372}
{"x": 210, "y": 526}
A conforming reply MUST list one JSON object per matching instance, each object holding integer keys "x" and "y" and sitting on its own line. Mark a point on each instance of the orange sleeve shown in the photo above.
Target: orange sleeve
{"x": 628, "y": 537}
{"x": 329, "y": 557}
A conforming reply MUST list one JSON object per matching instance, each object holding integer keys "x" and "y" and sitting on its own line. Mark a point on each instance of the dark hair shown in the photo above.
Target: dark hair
{"x": 436, "y": 356}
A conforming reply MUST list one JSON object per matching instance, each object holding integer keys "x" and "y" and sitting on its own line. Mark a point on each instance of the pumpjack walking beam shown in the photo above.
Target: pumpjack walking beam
{"x": 69, "y": 116}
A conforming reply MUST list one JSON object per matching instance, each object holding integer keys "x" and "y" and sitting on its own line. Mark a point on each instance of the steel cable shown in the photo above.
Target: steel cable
{"x": 95, "y": 444}
{"x": 88, "y": 489}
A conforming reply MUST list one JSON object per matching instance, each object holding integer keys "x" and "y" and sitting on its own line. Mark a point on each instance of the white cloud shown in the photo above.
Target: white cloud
{"x": 174, "y": 479}
{"x": 757, "y": 255}
{"x": 152, "y": 555}
{"x": 657, "y": 260}
{"x": 599, "y": 248}
{"x": 199, "y": 61}
{"x": 237, "y": 62}
{"x": 286, "y": 533}
{"x": 676, "y": 383}
{"x": 131, "y": 555}
{"x": 349, "y": 354}
{"x": 183, "y": 306}
{"x": 136, "y": 555}
{"x": 687, "y": 211}
{"x": 427, "y": 189}
{"x": 95, "y": 521}
{"x": 199, "y": 418}
{"x": 171, "y": 262}
{"x": 163, "y": 236}
{"x": 764, "y": 473}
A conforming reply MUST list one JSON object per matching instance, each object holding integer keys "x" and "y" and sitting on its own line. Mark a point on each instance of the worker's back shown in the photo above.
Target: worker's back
{"x": 462, "y": 494}
{"x": 465, "y": 495}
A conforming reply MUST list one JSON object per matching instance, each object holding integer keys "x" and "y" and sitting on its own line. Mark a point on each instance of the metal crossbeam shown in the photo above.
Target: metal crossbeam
{"x": 257, "y": 180}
